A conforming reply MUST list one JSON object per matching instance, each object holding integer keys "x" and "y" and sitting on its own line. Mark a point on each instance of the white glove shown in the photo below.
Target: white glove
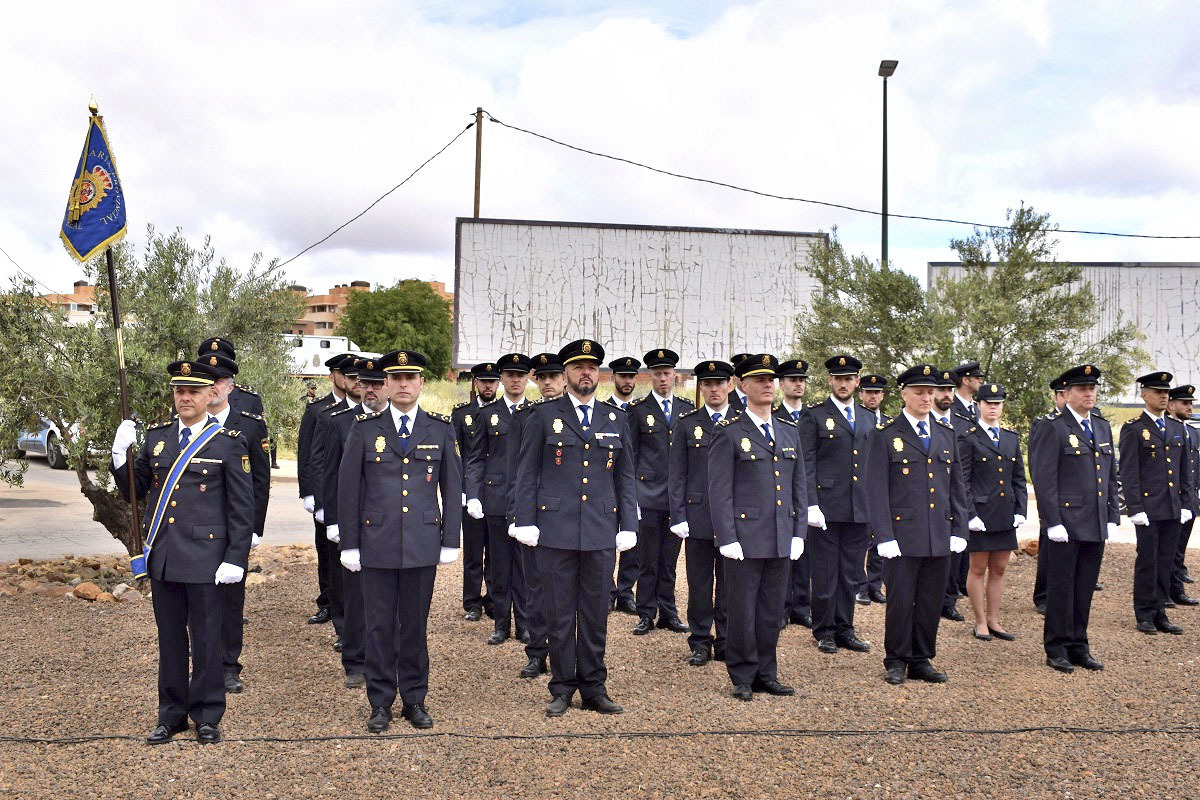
{"x": 125, "y": 436}
{"x": 474, "y": 509}
{"x": 627, "y": 540}
{"x": 797, "y": 547}
{"x": 888, "y": 549}
{"x": 976, "y": 525}
{"x": 732, "y": 550}
{"x": 1058, "y": 533}
{"x": 310, "y": 503}
{"x": 1018, "y": 520}
{"x": 957, "y": 544}
{"x": 255, "y": 540}
{"x": 320, "y": 515}
{"x": 333, "y": 534}
{"x": 351, "y": 559}
{"x": 1112, "y": 529}
{"x": 525, "y": 534}
{"x": 1185, "y": 516}
{"x": 1140, "y": 519}
{"x": 448, "y": 555}
{"x": 228, "y": 573}
{"x": 816, "y": 518}
{"x": 681, "y": 529}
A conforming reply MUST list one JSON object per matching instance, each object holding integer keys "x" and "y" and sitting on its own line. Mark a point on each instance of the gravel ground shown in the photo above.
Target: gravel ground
{"x": 71, "y": 668}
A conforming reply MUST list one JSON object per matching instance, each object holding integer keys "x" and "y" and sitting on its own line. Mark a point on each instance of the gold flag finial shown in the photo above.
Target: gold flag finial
{"x": 93, "y": 107}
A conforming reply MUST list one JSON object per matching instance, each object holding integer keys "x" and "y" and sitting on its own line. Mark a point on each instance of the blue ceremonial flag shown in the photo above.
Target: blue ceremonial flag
{"x": 95, "y": 215}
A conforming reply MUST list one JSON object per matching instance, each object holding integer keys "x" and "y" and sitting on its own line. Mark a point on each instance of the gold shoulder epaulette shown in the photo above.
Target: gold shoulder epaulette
{"x": 689, "y": 413}
{"x": 158, "y": 425}
{"x": 251, "y": 415}
{"x": 369, "y": 415}
{"x": 728, "y": 420}
{"x": 639, "y": 400}
{"x": 460, "y": 405}
{"x": 245, "y": 389}
{"x": 437, "y": 416}
{"x": 786, "y": 421}
{"x": 944, "y": 424}
{"x": 813, "y": 405}
{"x": 339, "y": 412}
{"x": 231, "y": 432}
{"x": 683, "y": 400}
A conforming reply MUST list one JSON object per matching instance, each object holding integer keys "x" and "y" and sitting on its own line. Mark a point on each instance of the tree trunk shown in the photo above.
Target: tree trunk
{"x": 109, "y": 509}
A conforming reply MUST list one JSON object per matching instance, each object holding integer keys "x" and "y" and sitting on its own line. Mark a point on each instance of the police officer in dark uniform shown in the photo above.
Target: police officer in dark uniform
{"x": 756, "y": 489}
{"x": 624, "y": 377}
{"x": 242, "y": 398}
{"x": 918, "y": 508}
{"x": 1070, "y": 456}
{"x": 576, "y": 504}
{"x": 397, "y": 465}
{"x": 834, "y": 436}
{"x": 198, "y": 537}
{"x": 949, "y": 411}
{"x": 870, "y": 395}
{"x": 691, "y": 518}
{"x": 487, "y": 479}
{"x": 1157, "y": 484}
{"x": 254, "y": 431}
{"x": 1180, "y": 407}
{"x": 737, "y": 398}
{"x": 485, "y": 381}
{"x": 793, "y": 381}
{"x": 968, "y": 377}
{"x": 1059, "y": 391}
{"x": 650, "y": 421}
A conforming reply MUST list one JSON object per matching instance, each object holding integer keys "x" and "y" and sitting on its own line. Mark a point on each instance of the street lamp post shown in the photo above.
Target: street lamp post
{"x": 886, "y": 68}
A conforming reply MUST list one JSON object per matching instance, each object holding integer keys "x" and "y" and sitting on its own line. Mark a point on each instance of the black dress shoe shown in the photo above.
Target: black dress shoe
{"x": 1168, "y": 603}
{"x": 233, "y": 684}
{"x": 533, "y": 668}
{"x": 558, "y": 706}
{"x": 952, "y": 614}
{"x": 523, "y": 636}
{"x": 827, "y": 646}
{"x": 1099, "y": 587}
{"x": 601, "y": 705}
{"x": 626, "y": 606}
{"x": 417, "y": 716}
{"x": 355, "y": 679}
{"x": 1147, "y": 627}
{"x": 499, "y": 636}
{"x": 381, "y": 717}
{"x": 802, "y": 619}
{"x": 743, "y": 692}
{"x": 671, "y": 624}
{"x": 894, "y": 676}
{"x": 1184, "y": 600}
{"x": 1166, "y": 626}
{"x": 862, "y": 599}
{"x": 877, "y": 596}
{"x": 1061, "y": 664}
{"x": 1087, "y": 662}
{"x": 1003, "y": 636}
{"x": 772, "y": 687}
{"x": 245, "y": 620}
{"x": 644, "y": 626}
{"x": 699, "y": 657}
{"x": 1040, "y": 608}
{"x": 338, "y": 645}
{"x": 1186, "y": 578}
{"x": 207, "y": 733}
{"x": 163, "y": 733}
{"x": 473, "y": 614}
{"x": 320, "y": 618}
{"x": 927, "y": 673}
{"x": 852, "y": 642}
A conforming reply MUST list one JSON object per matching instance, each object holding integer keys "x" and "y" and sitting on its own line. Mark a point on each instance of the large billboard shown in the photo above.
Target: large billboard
{"x": 532, "y": 286}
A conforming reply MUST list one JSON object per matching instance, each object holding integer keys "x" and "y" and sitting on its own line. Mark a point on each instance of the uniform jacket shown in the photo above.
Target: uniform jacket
{"x": 1075, "y": 480}
{"x": 388, "y": 499}
{"x": 835, "y": 460}
{"x": 513, "y": 455}
{"x": 308, "y": 423}
{"x": 243, "y": 398}
{"x": 576, "y": 486}
{"x": 487, "y": 468}
{"x": 917, "y": 499}
{"x": 212, "y": 512}
{"x": 650, "y": 434}
{"x": 336, "y": 434}
{"x": 757, "y": 492}
{"x": 1194, "y": 460}
{"x": 317, "y": 456}
{"x": 614, "y": 402}
{"x": 1155, "y": 470}
{"x": 254, "y": 431}
{"x": 687, "y": 472}
{"x": 994, "y": 475}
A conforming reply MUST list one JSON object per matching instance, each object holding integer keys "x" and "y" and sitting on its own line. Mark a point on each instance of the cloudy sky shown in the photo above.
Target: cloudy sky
{"x": 267, "y": 125}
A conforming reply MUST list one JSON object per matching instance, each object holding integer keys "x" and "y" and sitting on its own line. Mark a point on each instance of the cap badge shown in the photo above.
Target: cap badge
{"x": 745, "y": 445}
{"x": 370, "y": 365}
{"x": 897, "y": 444}
{"x": 557, "y": 425}
{"x": 1164, "y": 376}
{"x": 488, "y": 367}
{"x": 587, "y": 346}
{"x": 542, "y": 359}
{"x": 925, "y": 371}
{"x": 660, "y": 353}
{"x": 629, "y": 362}
{"x": 766, "y": 360}
{"x": 698, "y": 432}
{"x": 380, "y": 444}
{"x": 995, "y": 388}
{"x": 842, "y": 362}
{"x": 213, "y": 346}
{"x": 712, "y": 367}
{"x": 1087, "y": 370}
{"x": 186, "y": 369}
{"x": 158, "y": 448}
{"x": 212, "y": 361}
{"x": 402, "y": 359}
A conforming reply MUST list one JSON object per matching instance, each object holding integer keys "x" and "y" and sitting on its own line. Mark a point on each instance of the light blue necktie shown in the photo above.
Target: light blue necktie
{"x": 923, "y": 432}
{"x": 795, "y": 416}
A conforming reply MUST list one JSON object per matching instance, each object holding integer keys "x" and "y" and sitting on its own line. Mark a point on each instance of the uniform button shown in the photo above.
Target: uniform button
{"x": 931, "y": 505}
{"x": 585, "y": 480}
{"x": 855, "y": 477}
{"x": 776, "y": 473}
{"x": 932, "y": 490}
{"x": 1099, "y": 480}
{"x": 778, "y": 502}
{"x": 210, "y": 536}
{"x": 404, "y": 493}
{"x": 170, "y": 519}
{"x": 406, "y": 461}
{"x": 377, "y": 458}
{"x": 752, "y": 457}
{"x": 1002, "y": 494}
{"x": 404, "y": 476}
{"x": 855, "y": 452}
{"x": 778, "y": 488}
{"x": 930, "y": 460}
{"x": 404, "y": 509}
{"x": 931, "y": 474}
{"x": 743, "y": 516}
{"x": 1169, "y": 472}
{"x": 585, "y": 463}
{"x": 583, "y": 497}
{"x": 1000, "y": 469}
{"x": 1170, "y": 485}
{"x": 587, "y": 447}
{"x": 543, "y": 508}
{"x": 1168, "y": 461}
{"x": 173, "y": 504}
{"x": 776, "y": 458}
{"x": 1001, "y": 483}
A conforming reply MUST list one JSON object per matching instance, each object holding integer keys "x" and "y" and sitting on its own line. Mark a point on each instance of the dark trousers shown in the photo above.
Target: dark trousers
{"x": 506, "y": 586}
{"x": 337, "y": 591}
{"x": 1180, "y": 570}
{"x": 575, "y": 587}
{"x": 1072, "y": 568}
{"x": 799, "y": 599}
{"x": 397, "y": 660}
{"x": 535, "y": 604}
{"x": 658, "y": 554}
{"x": 627, "y": 575}
{"x": 755, "y": 595}
{"x": 916, "y": 585}
{"x": 354, "y": 625}
{"x": 475, "y": 566}
{"x": 836, "y": 556}
{"x": 1156, "y": 545}
{"x": 1039, "y": 579}
{"x": 188, "y": 616}
{"x": 954, "y": 583}
{"x": 872, "y": 580}
{"x": 324, "y": 566}
{"x": 233, "y": 607}
{"x": 706, "y": 594}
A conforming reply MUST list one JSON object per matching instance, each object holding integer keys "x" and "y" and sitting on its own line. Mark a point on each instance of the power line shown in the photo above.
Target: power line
{"x": 825, "y": 203}
{"x": 382, "y": 196}
{"x": 26, "y": 272}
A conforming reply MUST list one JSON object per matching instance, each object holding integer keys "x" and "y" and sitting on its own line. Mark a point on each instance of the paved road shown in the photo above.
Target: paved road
{"x": 50, "y": 517}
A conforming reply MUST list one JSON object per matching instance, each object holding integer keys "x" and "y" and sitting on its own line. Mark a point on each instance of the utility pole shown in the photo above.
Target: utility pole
{"x": 478, "y": 154}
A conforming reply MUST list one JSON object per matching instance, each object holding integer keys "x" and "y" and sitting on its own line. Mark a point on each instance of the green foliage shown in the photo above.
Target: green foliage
{"x": 409, "y": 315}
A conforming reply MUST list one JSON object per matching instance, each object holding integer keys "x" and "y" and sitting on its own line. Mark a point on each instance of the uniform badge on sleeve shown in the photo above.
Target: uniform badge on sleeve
{"x": 266, "y": 445}
{"x": 246, "y": 464}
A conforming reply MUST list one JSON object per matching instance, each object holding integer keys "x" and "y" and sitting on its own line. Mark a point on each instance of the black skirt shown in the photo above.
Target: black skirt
{"x": 992, "y": 541}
